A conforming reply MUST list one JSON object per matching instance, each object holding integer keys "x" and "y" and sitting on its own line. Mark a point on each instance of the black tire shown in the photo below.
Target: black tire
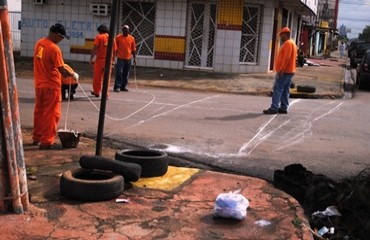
{"x": 90, "y": 185}
{"x": 153, "y": 163}
{"x": 306, "y": 89}
{"x": 130, "y": 171}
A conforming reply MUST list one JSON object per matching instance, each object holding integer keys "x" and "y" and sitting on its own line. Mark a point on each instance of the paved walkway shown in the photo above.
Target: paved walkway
{"x": 178, "y": 205}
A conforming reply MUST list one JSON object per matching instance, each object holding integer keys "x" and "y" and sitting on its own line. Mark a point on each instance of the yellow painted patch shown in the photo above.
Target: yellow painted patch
{"x": 174, "y": 177}
{"x": 89, "y": 44}
{"x": 230, "y": 12}
{"x": 169, "y": 44}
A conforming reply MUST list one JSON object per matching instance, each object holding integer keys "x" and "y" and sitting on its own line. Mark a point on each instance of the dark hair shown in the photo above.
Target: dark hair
{"x": 102, "y": 28}
{"x": 59, "y": 29}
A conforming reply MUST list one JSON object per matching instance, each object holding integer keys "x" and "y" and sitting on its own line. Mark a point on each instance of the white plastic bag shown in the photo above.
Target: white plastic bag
{"x": 231, "y": 205}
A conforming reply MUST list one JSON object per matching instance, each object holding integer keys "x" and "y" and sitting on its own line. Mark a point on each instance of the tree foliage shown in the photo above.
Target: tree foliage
{"x": 365, "y": 35}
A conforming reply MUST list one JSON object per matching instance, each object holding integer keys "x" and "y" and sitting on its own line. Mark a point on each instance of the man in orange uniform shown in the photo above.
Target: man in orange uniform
{"x": 97, "y": 58}
{"x": 48, "y": 69}
{"x": 126, "y": 50}
{"x": 285, "y": 66}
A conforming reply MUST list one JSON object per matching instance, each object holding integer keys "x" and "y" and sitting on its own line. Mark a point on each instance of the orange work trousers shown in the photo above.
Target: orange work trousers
{"x": 46, "y": 115}
{"x": 99, "y": 66}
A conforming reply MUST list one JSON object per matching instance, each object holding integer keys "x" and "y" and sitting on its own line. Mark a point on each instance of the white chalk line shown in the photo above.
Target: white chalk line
{"x": 163, "y": 113}
{"x": 260, "y": 136}
{"x": 307, "y": 126}
{"x": 288, "y": 141}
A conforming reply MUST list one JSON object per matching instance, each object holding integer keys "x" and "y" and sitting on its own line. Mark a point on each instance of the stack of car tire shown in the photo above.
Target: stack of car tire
{"x": 101, "y": 178}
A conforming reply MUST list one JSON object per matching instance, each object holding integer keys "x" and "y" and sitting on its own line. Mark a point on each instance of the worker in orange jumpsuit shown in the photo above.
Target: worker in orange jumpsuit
{"x": 98, "y": 56}
{"x": 69, "y": 85}
{"x": 48, "y": 71}
{"x": 126, "y": 51}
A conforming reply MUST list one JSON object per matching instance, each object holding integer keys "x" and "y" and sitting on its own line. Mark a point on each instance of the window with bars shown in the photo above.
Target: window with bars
{"x": 140, "y": 16}
{"x": 251, "y": 26}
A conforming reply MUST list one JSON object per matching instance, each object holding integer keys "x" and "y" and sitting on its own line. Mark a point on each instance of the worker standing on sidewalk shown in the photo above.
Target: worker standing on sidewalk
{"x": 98, "y": 55}
{"x": 48, "y": 71}
{"x": 285, "y": 67}
{"x": 126, "y": 50}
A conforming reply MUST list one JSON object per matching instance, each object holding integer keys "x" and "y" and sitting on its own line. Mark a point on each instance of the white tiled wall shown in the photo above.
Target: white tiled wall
{"x": 170, "y": 20}
{"x": 74, "y": 15}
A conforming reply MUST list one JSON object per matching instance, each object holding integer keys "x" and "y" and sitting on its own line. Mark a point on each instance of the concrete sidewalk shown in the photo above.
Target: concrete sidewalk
{"x": 178, "y": 205}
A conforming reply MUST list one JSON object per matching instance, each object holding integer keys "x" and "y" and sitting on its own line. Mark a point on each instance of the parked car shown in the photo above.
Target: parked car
{"x": 363, "y": 71}
{"x": 357, "y": 53}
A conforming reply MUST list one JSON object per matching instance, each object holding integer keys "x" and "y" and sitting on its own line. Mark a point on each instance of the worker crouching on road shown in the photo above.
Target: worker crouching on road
{"x": 48, "y": 68}
{"x": 69, "y": 85}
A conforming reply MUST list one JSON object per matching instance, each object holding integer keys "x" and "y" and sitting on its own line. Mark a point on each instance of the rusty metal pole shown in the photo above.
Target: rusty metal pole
{"x": 16, "y": 181}
{"x": 13, "y": 93}
{"x": 3, "y": 178}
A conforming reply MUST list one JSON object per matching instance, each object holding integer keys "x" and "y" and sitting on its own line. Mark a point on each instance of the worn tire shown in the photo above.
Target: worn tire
{"x": 130, "y": 171}
{"x": 306, "y": 89}
{"x": 153, "y": 163}
{"x": 90, "y": 185}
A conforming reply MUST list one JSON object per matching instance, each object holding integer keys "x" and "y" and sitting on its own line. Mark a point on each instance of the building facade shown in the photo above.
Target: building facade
{"x": 230, "y": 36}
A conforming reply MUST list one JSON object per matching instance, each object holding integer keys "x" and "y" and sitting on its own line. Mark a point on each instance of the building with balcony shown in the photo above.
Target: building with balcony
{"x": 319, "y": 33}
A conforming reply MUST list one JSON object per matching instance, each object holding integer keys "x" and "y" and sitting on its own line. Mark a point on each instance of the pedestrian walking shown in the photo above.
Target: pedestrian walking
{"x": 342, "y": 47}
{"x": 126, "y": 50}
{"x": 285, "y": 67}
{"x": 48, "y": 71}
{"x": 97, "y": 59}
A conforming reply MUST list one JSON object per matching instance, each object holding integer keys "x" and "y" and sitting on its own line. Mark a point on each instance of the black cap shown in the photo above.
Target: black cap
{"x": 102, "y": 28}
{"x": 59, "y": 29}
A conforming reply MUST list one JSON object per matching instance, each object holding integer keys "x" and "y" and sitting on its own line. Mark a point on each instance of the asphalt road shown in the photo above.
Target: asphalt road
{"x": 226, "y": 132}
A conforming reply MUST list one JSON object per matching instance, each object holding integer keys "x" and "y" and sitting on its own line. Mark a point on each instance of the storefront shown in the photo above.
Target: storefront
{"x": 231, "y": 36}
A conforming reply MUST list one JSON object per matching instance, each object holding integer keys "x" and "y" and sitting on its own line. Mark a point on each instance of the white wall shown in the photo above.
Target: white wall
{"x": 74, "y": 15}
{"x": 14, "y": 5}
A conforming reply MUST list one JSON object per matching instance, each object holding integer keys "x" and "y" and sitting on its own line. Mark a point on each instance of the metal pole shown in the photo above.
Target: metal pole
{"x": 107, "y": 72}
{"x": 14, "y": 107}
{"x": 8, "y": 133}
{"x": 12, "y": 149}
{"x": 3, "y": 184}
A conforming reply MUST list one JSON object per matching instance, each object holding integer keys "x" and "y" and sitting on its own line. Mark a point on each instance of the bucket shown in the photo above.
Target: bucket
{"x": 69, "y": 138}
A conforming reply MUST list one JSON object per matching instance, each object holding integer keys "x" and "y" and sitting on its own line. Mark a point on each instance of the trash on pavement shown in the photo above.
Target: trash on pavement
{"x": 262, "y": 223}
{"x": 329, "y": 212}
{"x": 231, "y": 205}
{"x": 122, "y": 200}
{"x": 324, "y": 230}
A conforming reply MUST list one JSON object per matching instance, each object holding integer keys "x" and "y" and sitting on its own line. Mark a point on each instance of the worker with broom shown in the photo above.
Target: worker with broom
{"x": 48, "y": 71}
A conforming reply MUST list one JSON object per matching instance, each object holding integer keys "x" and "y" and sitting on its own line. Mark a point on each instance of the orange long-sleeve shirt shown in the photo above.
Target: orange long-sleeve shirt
{"x": 286, "y": 58}
{"x": 101, "y": 44}
{"x": 126, "y": 46}
{"x": 47, "y": 59}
